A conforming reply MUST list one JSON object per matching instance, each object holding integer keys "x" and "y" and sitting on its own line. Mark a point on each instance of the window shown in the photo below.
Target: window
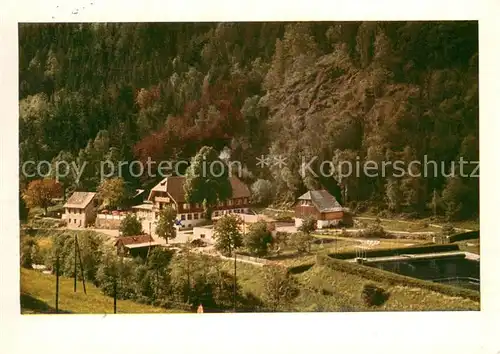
{"x": 238, "y": 201}
{"x": 190, "y": 216}
{"x": 74, "y": 220}
{"x": 229, "y": 202}
{"x": 202, "y": 235}
{"x": 216, "y": 213}
{"x": 185, "y": 206}
{"x": 195, "y": 217}
{"x": 183, "y": 217}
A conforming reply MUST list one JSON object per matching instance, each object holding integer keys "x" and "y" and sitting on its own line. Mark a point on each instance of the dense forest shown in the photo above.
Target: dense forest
{"x": 341, "y": 91}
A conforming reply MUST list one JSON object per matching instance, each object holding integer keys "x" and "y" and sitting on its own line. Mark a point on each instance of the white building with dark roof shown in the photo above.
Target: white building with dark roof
{"x": 321, "y": 205}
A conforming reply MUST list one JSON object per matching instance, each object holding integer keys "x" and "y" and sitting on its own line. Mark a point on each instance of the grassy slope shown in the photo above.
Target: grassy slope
{"x": 325, "y": 289}
{"x": 344, "y": 291}
{"x": 38, "y": 296}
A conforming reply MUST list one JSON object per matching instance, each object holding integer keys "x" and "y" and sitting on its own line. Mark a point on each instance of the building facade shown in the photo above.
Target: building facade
{"x": 321, "y": 205}
{"x": 170, "y": 192}
{"x": 80, "y": 210}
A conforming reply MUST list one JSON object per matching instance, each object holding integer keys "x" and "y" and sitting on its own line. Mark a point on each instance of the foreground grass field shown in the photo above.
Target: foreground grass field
{"x": 38, "y": 293}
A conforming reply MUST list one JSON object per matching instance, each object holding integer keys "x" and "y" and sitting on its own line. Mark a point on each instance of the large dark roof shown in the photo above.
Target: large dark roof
{"x": 174, "y": 186}
{"x": 322, "y": 200}
{"x": 130, "y": 240}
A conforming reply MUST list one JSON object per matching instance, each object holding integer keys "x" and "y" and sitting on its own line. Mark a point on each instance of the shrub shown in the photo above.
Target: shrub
{"x": 281, "y": 239}
{"x": 373, "y": 295}
{"x": 301, "y": 241}
{"x": 359, "y": 224}
{"x": 308, "y": 225}
{"x": 29, "y": 252}
{"x": 374, "y": 230}
{"x": 258, "y": 239}
{"x": 130, "y": 226}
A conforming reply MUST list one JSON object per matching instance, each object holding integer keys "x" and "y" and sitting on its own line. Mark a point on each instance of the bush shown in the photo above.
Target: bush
{"x": 130, "y": 226}
{"x": 308, "y": 225}
{"x": 258, "y": 239}
{"x": 29, "y": 252}
{"x": 373, "y": 295}
{"x": 301, "y": 241}
{"x": 374, "y": 230}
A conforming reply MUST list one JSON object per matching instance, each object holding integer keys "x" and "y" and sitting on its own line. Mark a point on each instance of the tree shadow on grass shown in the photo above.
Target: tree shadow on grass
{"x": 31, "y": 305}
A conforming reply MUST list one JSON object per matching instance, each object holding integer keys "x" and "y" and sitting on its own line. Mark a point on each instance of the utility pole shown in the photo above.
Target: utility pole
{"x": 114, "y": 295}
{"x": 74, "y": 267}
{"x": 57, "y": 282}
{"x": 188, "y": 271}
{"x": 81, "y": 266}
{"x": 234, "y": 283}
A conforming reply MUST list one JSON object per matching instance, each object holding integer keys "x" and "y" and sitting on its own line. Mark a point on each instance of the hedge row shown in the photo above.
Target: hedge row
{"x": 387, "y": 252}
{"x": 379, "y": 275}
{"x": 464, "y": 236}
{"x": 300, "y": 268}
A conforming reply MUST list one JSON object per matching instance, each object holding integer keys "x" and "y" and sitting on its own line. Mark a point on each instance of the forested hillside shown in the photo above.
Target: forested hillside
{"x": 339, "y": 91}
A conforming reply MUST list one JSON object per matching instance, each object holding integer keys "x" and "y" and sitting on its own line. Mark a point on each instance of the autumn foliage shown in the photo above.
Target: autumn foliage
{"x": 213, "y": 120}
{"x": 40, "y": 193}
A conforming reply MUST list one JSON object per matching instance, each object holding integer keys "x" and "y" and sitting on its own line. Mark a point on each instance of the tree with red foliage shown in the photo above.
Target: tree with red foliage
{"x": 40, "y": 193}
{"x": 213, "y": 120}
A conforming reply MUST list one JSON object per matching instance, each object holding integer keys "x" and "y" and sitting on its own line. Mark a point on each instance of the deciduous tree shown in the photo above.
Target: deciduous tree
{"x": 258, "y": 238}
{"x": 130, "y": 226}
{"x": 227, "y": 233}
{"x": 207, "y": 180}
{"x": 41, "y": 192}
{"x": 114, "y": 193}
{"x": 165, "y": 227}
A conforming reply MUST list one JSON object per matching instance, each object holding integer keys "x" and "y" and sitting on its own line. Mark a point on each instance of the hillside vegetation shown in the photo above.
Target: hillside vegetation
{"x": 345, "y": 91}
{"x": 38, "y": 293}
